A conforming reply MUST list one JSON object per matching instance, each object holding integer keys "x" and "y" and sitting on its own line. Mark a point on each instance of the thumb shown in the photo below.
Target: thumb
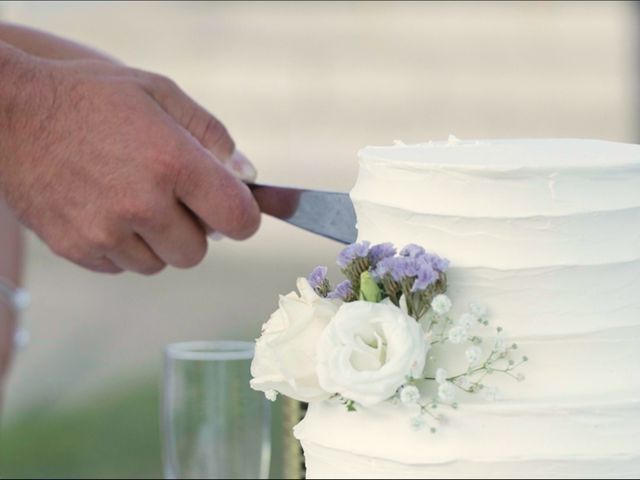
{"x": 204, "y": 127}
{"x": 219, "y": 199}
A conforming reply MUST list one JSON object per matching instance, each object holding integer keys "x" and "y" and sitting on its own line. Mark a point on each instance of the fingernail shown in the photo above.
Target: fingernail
{"x": 242, "y": 167}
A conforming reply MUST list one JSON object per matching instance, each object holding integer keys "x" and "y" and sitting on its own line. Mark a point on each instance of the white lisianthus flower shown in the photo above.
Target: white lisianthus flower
{"x": 473, "y": 354}
{"x": 441, "y": 304}
{"x": 409, "y": 395}
{"x": 447, "y": 392}
{"x": 285, "y": 359}
{"x": 480, "y": 310}
{"x": 468, "y": 321}
{"x": 458, "y": 335}
{"x": 441, "y": 375}
{"x": 368, "y": 350}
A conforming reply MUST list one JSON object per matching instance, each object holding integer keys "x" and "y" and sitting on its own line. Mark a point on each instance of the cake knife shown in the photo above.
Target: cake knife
{"x": 329, "y": 214}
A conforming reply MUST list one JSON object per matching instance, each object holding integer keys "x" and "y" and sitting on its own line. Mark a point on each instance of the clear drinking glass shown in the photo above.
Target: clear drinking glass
{"x": 214, "y": 424}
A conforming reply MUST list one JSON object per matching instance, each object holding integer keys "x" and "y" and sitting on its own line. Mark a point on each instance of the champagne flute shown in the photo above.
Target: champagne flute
{"x": 214, "y": 425}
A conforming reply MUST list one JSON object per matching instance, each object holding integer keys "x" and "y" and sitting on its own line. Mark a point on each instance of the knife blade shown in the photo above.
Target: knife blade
{"x": 329, "y": 214}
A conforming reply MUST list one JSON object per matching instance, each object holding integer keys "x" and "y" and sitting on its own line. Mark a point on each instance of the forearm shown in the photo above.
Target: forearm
{"x": 11, "y": 259}
{"x": 46, "y": 45}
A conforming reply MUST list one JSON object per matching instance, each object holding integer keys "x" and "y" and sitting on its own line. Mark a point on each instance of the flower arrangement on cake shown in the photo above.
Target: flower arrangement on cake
{"x": 384, "y": 334}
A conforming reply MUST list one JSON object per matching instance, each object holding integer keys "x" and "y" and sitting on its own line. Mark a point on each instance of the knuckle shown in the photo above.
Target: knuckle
{"x": 143, "y": 214}
{"x": 101, "y": 240}
{"x": 216, "y": 134}
{"x": 167, "y": 166}
{"x": 162, "y": 83}
{"x": 67, "y": 246}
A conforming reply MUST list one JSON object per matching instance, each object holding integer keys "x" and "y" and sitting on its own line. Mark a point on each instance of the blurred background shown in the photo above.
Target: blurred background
{"x": 301, "y": 86}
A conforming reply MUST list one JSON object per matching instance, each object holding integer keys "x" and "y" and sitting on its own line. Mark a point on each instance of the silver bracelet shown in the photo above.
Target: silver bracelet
{"x": 18, "y": 300}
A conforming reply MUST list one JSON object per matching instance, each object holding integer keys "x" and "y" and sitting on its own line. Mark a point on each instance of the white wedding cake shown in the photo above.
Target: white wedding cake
{"x": 547, "y": 233}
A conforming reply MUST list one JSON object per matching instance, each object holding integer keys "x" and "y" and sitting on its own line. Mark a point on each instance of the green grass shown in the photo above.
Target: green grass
{"x": 113, "y": 435}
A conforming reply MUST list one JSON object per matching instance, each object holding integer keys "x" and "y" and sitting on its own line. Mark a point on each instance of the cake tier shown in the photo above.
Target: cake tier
{"x": 501, "y": 440}
{"x": 507, "y": 243}
{"x": 563, "y": 368}
{"x": 545, "y": 232}
{"x": 551, "y": 301}
{"x": 502, "y": 178}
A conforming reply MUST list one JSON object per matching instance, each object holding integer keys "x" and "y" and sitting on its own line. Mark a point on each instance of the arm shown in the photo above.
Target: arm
{"x": 114, "y": 168}
{"x": 11, "y": 269}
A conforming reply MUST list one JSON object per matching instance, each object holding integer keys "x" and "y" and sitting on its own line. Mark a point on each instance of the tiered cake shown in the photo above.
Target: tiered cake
{"x": 547, "y": 233}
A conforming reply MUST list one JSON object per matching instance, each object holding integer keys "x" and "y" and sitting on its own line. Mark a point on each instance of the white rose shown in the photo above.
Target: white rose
{"x": 368, "y": 350}
{"x": 285, "y": 358}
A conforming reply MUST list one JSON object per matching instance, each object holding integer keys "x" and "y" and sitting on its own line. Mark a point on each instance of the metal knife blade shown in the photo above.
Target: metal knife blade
{"x": 329, "y": 214}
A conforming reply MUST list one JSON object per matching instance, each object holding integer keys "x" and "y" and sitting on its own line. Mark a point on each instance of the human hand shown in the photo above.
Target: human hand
{"x": 116, "y": 168}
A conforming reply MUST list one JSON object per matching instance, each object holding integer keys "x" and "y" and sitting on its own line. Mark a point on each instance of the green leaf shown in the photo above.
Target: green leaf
{"x": 369, "y": 289}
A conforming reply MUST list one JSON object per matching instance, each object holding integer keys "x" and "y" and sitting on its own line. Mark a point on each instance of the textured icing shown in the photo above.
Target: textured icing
{"x": 547, "y": 233}
{"x": 502, "y": 178}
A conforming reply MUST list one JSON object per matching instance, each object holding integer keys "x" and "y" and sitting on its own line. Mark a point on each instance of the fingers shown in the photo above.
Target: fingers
{"x": 179, "y": 241}
{"x": 101, "y": 265}
{"x": 242, "y": 167}
{"x": 216, "y": 196}
{"x": 203, "y": 126}
{"x": 135, "y": 255}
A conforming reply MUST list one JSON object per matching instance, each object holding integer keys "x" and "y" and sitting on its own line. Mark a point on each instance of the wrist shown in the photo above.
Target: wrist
{"x": 26, "y": 97}
{"x": 17, "y": 72}
{"x": 13, "y": 64}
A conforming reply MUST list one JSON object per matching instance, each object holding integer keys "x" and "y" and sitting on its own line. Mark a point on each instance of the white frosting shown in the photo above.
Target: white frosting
{"x": 479, "y": 441}
{"x": 547, "y": 233}
{"x": 502, "y": 178}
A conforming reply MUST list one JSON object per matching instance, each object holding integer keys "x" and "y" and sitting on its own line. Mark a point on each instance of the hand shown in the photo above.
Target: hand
{"x": 116, "y": 168}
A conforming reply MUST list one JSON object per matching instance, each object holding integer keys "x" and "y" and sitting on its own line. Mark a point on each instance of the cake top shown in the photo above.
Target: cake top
{"x": 501, "y": 178}
{"x": 510, "y": 154}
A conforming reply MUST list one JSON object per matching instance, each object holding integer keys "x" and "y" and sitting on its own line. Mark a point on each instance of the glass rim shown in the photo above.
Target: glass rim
{"x": 213, "y": 350}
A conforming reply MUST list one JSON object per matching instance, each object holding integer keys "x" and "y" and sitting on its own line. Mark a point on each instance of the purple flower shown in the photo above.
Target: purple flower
{"x": 394, "y": 266}
{"x": 343, "y": 290}
{"x": 317, "y": 277}
{"x": 412, "y": 250}
{"x": 439, "y": 263}
{"x": 351, "y": 252}
{"x": 412, "y": 266}
{"x": 384, "y": 267}
{"x": 426, "y": 277}
{"x": 380, "y": 252}
{"x": 416, "y": 251}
